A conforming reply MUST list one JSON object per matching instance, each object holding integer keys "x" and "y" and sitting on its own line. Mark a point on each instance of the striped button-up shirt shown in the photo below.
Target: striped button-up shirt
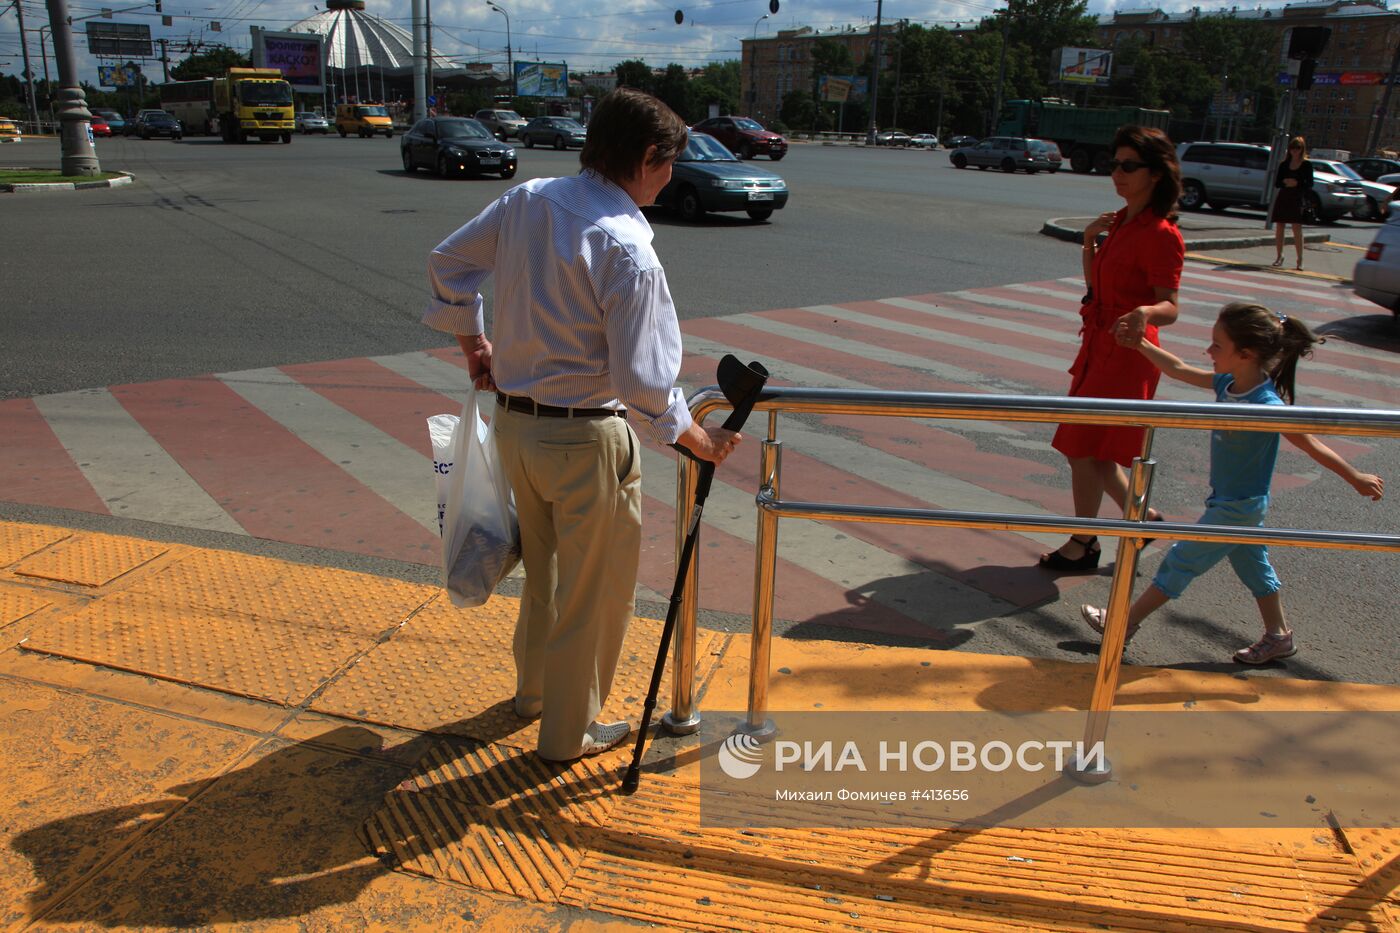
{"x": 583, "y": 316}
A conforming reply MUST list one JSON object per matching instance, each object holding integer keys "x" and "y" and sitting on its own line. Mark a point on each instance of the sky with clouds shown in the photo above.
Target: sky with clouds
{"x": 588, "y": 36}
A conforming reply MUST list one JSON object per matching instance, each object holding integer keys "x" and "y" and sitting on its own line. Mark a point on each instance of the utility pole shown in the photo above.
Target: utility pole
{"x": 420, "y": 97}
{"x": 79, "y": 157}
{"x": 1001, "y": 70}
{"x": 164, "y": 61}
{"x": 428, "y": 40}
{"x": 875, "y": 76}
{"x": 28, "y": 71}
{"x": 898, "y": 70}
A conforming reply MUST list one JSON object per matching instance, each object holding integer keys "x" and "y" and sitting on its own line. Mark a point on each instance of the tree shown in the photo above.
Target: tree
{"x": 633, "y": 73}
{"x": 718, "y": 84}
{"x": 673, "y": 88}
{"x": 211, "y": 64}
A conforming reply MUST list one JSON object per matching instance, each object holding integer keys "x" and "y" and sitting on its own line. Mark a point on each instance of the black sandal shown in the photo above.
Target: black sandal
{"x": 1083, "y": 564}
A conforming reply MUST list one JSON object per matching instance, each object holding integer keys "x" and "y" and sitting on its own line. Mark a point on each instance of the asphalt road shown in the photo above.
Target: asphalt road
{"x": 222, "y": 258}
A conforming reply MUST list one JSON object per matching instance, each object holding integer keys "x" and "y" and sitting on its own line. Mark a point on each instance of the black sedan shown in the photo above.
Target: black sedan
{"x": 456, "y": 146}
{"x": 151, "y": 124}
{"x": 559, "y": 132}
{"x": 708, "y": 177}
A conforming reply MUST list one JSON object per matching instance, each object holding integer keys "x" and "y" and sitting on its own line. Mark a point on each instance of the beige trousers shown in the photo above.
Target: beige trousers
{"x": 578, "y": 494}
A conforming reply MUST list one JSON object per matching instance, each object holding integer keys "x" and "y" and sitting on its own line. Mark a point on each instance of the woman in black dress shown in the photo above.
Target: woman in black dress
{"x": 1295, "y": 175}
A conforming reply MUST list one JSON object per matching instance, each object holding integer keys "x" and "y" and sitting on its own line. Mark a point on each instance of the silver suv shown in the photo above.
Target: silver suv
{"x": 502, "y": 123}
{"x": 1222, "y": 174}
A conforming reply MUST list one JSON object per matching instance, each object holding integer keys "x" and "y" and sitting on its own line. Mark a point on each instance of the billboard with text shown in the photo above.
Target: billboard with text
{"x": 1083, "y": 66}
{"x": 300, "y": 56}
{"x": 541, "y": 79}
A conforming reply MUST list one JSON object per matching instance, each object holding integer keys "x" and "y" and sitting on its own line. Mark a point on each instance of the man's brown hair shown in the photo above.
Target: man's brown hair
{"x": 626, "y": 122}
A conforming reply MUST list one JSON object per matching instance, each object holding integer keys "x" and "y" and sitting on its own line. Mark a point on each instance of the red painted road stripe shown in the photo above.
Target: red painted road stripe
{"x": 394, "y": 404}
{"x": 271, "y": 482}
{"x": 35, "y": 468}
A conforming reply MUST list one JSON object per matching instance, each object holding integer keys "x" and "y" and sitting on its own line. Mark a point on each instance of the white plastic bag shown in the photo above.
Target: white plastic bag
{"x": 480, "y": 534}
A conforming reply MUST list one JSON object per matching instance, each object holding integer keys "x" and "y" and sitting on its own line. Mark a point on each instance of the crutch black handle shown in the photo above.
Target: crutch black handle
{"x": 741, "y": 386}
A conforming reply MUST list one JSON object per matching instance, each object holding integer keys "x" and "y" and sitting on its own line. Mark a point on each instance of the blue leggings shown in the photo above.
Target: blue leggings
{"x": 1187, "y": 560}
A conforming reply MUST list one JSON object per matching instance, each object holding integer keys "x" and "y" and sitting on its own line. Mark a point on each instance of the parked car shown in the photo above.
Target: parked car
{"x": 100, "y": 127}
{"x": 955, "y": 142}
{"x": 456, "y": 146}
{"x": 924, "y": 140}
{"x": 312, "y": 123}
{"x": 1378, "y": 195}
{"x": 151, "y": 123}
{"x": 1222, "y": 174}
{"x": 1373, "y": 168}
{"x": 1377, "y": 274}
{"x": 559, "y": 132}
{"x": 115, "y": 120}
{"x": 744, "y": 137}
{"x": 503, "y": 123}
{"x": 708, "y": 177}
{"x": 892, "y": 137}
{"x": 1009, "y": 153}
{"x": 9, "y": 131}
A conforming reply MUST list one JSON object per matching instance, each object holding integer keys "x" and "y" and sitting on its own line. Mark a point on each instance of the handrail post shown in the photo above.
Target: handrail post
{"x": 684, "y": 719}
{"x": 758, "y": 724}
{"x": 1089, "y": 768}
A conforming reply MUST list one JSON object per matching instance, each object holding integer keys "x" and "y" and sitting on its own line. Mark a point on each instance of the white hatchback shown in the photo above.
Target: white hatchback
{"x": 1377, "y": 275}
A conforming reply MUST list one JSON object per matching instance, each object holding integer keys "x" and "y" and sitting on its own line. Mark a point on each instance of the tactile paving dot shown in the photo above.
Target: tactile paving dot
{"x": 452, "y": 670}
{"x": 17, "y": 541}
{"x": 266, "y": 659}
{"x": 89, "y": 559}
{"x": 276, "y": 589}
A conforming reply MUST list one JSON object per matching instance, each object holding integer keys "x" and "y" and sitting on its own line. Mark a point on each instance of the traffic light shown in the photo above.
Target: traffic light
{"x": 1308, "y": 42}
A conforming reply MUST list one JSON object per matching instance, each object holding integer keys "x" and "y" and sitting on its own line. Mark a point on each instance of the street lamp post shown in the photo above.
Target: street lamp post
{"x": 753, "y": 67}
{"x": 875, "y": 77}
{"x": 79, "y": 156}
{"x": 510, "y": 56}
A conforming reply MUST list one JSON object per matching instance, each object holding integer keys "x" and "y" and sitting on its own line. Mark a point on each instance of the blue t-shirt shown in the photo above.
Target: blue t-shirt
{"x": 1242, "y": 462}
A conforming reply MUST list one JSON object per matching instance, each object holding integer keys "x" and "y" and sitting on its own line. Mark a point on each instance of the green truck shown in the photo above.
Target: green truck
{"x": 1084, "y": 134}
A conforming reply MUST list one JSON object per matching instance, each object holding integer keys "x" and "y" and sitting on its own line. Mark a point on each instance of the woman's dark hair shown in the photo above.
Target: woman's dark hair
{"x": 625, "y": 122}
{"x": 1276, "y": 340}
{"x": 1154, "y": 148}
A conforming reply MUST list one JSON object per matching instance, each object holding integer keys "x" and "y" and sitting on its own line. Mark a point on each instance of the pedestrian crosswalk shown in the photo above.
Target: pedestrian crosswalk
{"x": 336, "y": 455}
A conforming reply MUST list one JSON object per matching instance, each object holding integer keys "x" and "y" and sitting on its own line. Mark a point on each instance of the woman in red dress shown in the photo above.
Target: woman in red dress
{"x": 1133, "y": 278}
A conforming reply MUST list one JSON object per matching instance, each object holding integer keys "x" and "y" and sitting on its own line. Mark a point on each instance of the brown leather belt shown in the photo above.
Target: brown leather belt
{"x": 529, "y": 406}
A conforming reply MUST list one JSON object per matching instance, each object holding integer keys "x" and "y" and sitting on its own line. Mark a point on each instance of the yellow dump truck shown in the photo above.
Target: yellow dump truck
{"x": 254, "y": 102}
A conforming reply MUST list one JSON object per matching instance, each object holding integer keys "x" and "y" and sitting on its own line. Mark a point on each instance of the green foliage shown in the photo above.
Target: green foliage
{"x": 210, "y": 64}
{"x": 673, "y": 88}
{"x": 635, "y": 74}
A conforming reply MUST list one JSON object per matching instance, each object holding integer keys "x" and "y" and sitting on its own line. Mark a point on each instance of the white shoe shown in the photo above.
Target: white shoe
{"x": 599, "y": 737}
{"x": 528, "y": 708}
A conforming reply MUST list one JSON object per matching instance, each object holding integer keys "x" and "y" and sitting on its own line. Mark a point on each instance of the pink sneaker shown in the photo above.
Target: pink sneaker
{"x": 1268, "y": 648}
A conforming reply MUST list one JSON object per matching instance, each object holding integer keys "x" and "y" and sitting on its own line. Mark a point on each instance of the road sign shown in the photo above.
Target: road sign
{"x": 119, "y": 40}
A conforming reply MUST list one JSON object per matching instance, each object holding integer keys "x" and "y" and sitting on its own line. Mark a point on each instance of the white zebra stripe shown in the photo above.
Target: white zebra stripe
{"x": 130, "y": 472}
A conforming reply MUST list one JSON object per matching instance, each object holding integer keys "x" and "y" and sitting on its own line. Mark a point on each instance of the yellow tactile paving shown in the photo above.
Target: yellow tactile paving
{"x": 88, "y": 559}
{"x": 494, "y": 817}
{"x": 17, "y": 541}
{"x": 16, "y": 602}
{"x": 276, "y": 589}
{"x": 462, "y": 676}
{"x": 653, "y": 859}
{"x": 263, "y": 658}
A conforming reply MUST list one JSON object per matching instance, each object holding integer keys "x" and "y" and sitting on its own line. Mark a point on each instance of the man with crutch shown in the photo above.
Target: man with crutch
{"x": 586, "y": 344}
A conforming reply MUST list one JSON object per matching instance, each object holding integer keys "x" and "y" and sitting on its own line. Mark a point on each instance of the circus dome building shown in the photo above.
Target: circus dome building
{"x": 359, "y": 40}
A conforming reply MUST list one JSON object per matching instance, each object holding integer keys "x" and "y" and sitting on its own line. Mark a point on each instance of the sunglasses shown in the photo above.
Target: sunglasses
{"x": 1127, "y": 165}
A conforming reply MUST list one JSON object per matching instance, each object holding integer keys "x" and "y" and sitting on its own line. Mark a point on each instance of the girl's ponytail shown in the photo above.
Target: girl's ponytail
{"x": 1276, "y": 340}
{"x": 1295, "y": 341}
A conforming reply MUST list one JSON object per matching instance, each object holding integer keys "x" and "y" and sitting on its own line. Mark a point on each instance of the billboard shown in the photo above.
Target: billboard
{"x": 300, "y": 56}
{"x": 1083, "y": 66}
{"x": 119, "y": 40}
{"x": 118, "y": 76}
{"x": 838, "y": 89}
{"x": 541, "y": 79}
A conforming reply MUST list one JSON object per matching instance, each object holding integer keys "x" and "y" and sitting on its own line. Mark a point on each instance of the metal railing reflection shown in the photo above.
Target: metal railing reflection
{"x": 684, "y": 718}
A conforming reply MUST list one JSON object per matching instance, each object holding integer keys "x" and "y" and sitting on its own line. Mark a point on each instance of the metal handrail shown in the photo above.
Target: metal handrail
{"x": 1130, "y": 530}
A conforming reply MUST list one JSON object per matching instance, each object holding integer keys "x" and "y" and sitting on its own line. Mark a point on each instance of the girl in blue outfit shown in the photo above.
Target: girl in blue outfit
{"x": 1255, "y": 353}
